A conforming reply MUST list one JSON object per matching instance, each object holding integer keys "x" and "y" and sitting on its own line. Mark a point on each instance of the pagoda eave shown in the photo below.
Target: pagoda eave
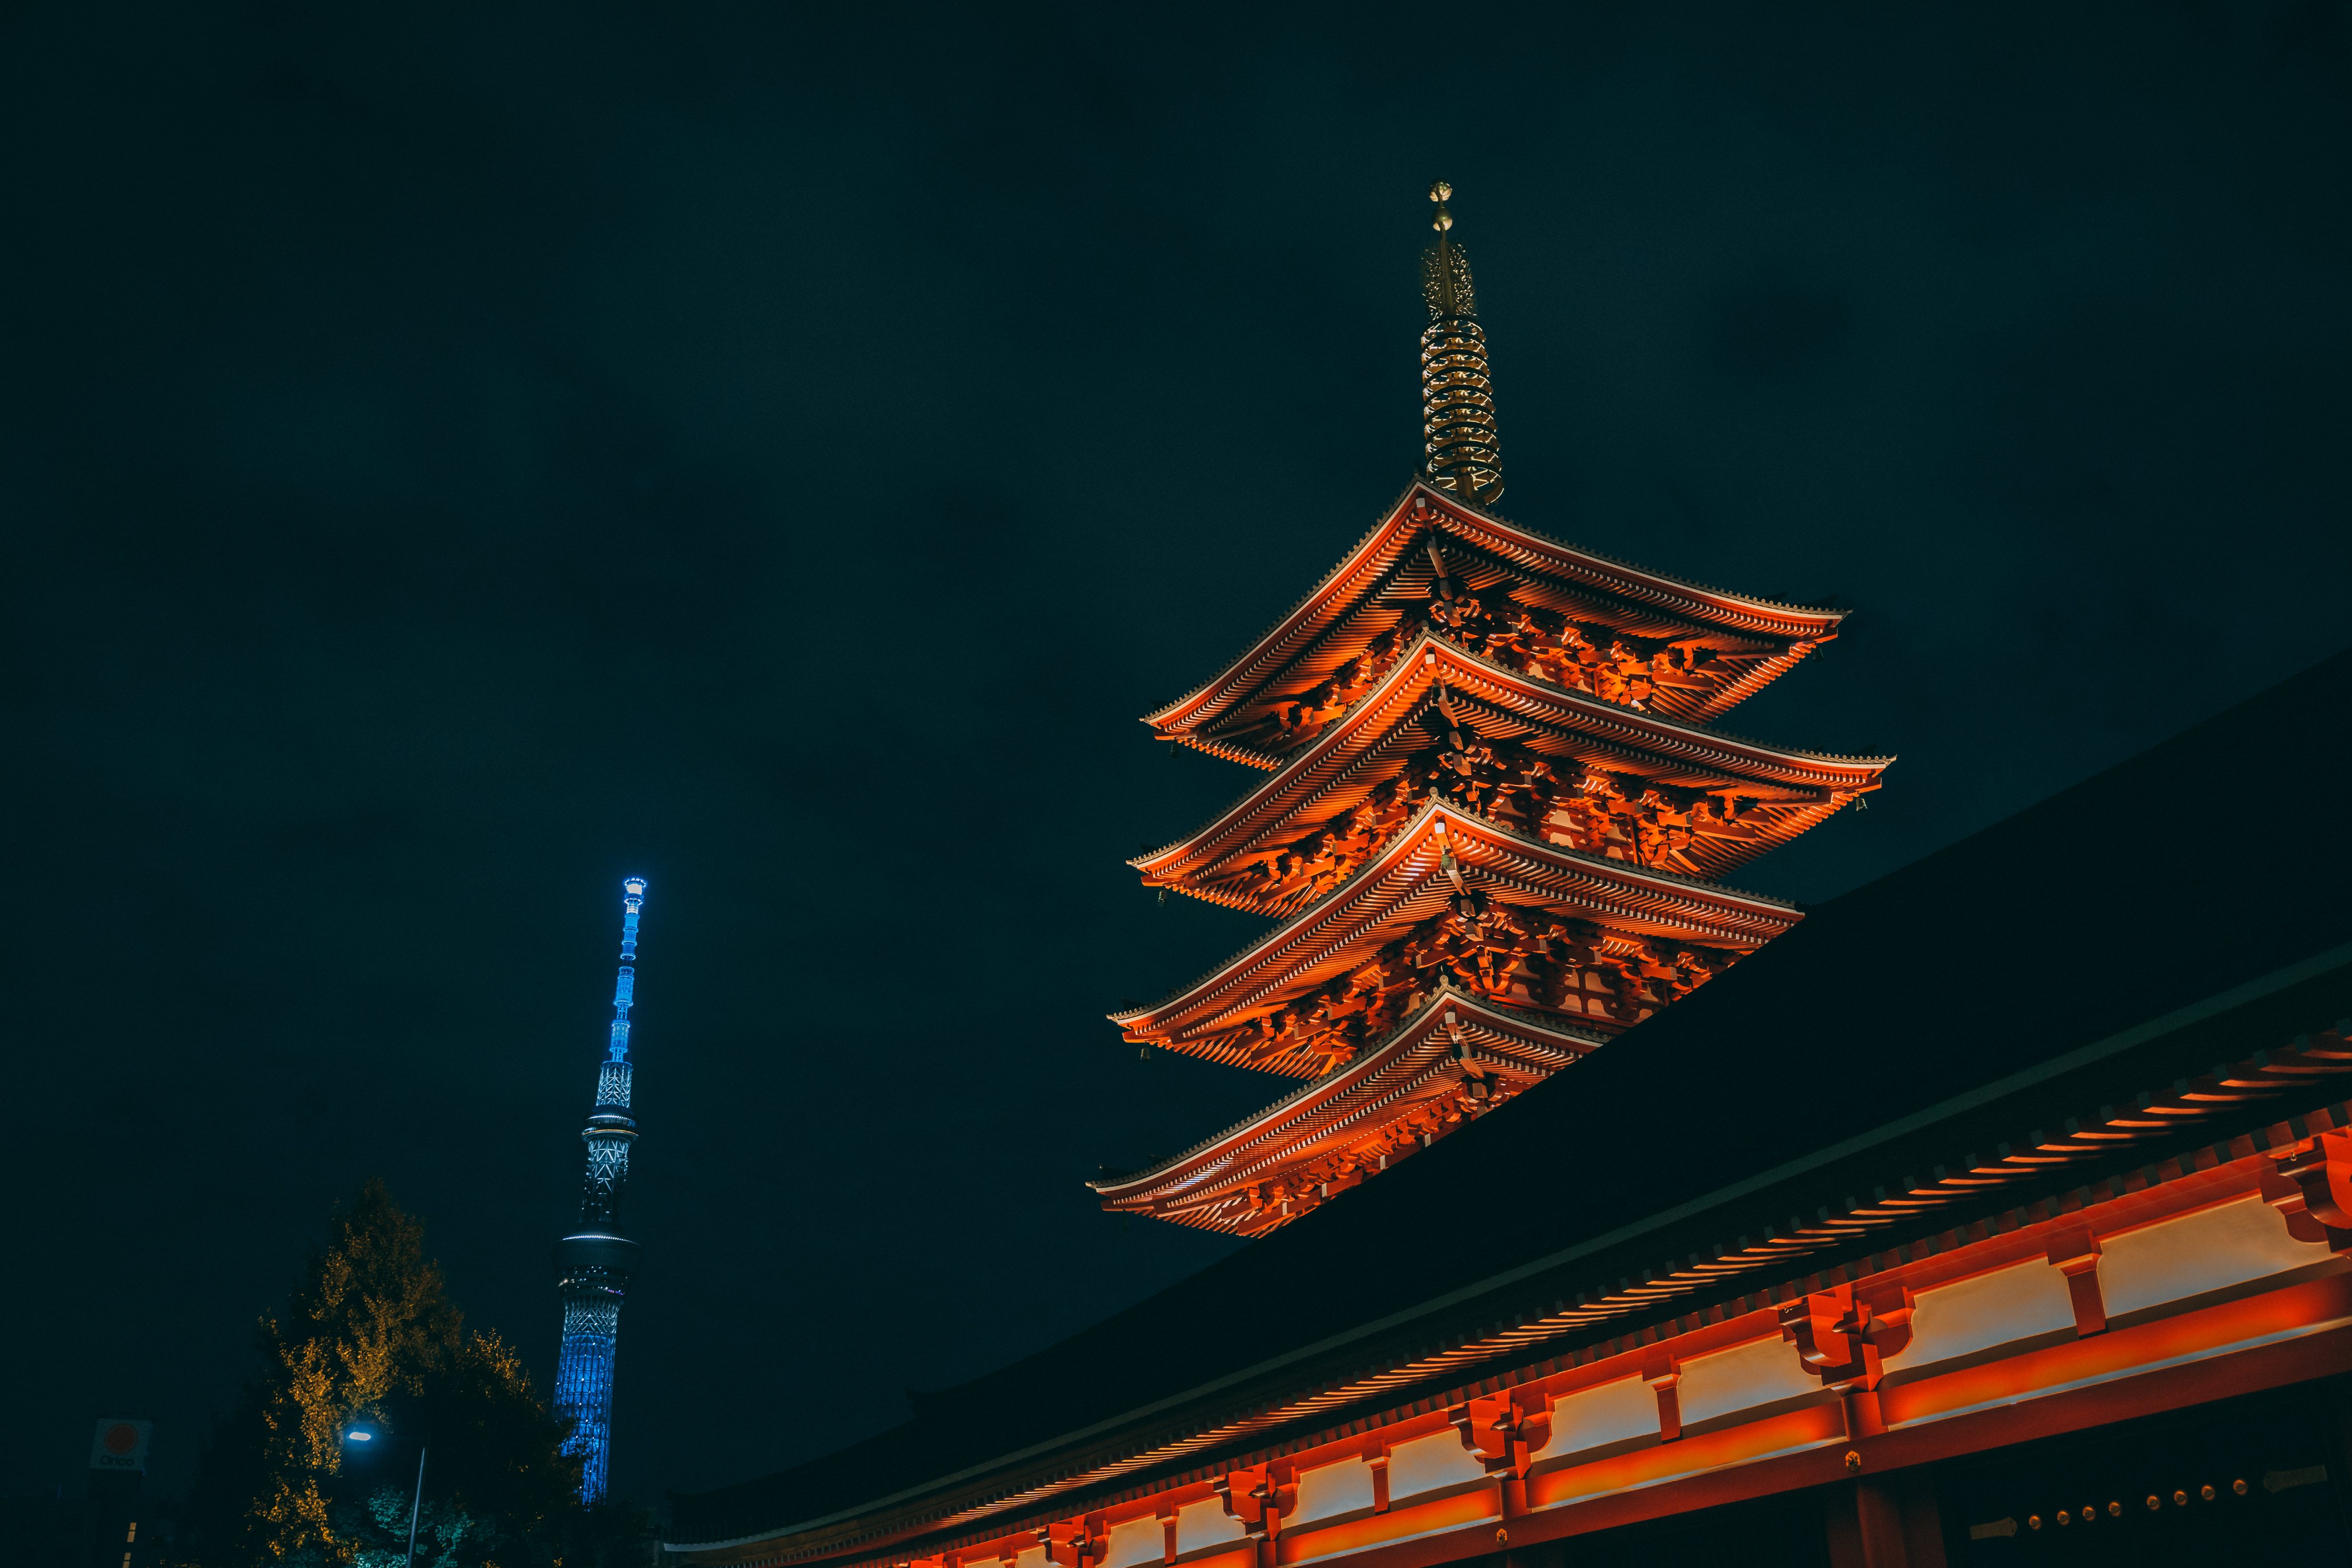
{"x": 1357, "y": 1108}
{"x": 1787, "y": 827}
{"x": 1433, "y": 661}
{"x": 1507, "y": 704}
{"x": 1425, "y": 511}
{"x": 1407, "y": 881}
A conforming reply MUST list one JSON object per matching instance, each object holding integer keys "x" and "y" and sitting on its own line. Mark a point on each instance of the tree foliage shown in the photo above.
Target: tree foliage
{"x": 370, "y": 1338}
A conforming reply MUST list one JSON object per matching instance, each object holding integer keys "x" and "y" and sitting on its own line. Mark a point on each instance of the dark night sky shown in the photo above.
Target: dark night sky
{"x": 453, "y": 460}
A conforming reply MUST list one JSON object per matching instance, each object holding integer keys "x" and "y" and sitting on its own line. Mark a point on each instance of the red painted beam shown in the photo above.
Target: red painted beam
{"x": 1652, "y": 1483}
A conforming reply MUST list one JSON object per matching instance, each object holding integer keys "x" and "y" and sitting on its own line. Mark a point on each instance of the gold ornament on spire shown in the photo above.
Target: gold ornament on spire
{"x": 1457, "y": 395}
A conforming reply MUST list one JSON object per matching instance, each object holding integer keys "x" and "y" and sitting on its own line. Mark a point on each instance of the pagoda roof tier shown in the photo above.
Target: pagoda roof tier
{"x": 1392, "y": 577}
{"x": 1456, "y": 1056}
{"x": 1438, "y": 688}
{"x": 1441, "y": 856}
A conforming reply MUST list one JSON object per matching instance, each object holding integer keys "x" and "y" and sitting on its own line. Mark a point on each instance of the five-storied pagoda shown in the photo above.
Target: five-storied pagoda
{"x": 595, "y": 1263}
{"x": 1493, "y": 821}
{"x": 2001, "y": 1214}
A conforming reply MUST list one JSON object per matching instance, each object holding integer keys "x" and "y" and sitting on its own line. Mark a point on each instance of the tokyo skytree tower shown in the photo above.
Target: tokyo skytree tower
{"x": 594, "y": 1263}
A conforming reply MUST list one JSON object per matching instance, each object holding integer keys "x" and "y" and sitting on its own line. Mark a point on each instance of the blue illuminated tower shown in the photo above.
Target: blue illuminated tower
{"x": 594, "y": 1263}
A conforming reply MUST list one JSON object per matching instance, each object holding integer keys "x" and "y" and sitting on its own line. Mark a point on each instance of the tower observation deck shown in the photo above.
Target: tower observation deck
{"x": 594, "y": 1263}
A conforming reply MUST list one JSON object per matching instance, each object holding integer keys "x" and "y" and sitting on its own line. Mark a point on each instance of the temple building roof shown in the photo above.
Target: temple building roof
{"x": 1391, "y": 576}
{"x": 1997, "y": 1024}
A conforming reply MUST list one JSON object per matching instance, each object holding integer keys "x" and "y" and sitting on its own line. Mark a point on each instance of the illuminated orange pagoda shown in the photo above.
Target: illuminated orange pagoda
{"x": 1997, "y": 1213}
{"x": 1494, "y": 822}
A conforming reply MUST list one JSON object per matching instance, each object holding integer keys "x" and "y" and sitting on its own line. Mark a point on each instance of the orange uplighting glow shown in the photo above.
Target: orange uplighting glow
{"x": 2306, "y": 1308}
{"x": 1241, "y": 1557}
{"x": 1399, "y": 1524}
{"x": 1711, "y": 1450}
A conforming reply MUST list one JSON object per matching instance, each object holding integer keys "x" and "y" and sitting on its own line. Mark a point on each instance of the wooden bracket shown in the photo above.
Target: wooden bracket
{"x": 1506, "y": 1430}
{"x": 1167, "y": 1532}
{"x": 1378, "y": 1462}
{"x": 1258, "y": 1497}
{"x": 2313, "y": 1190}
{"x": 1073, "y": 1543}
{"x": 2076, "y": 1254}
{"x": 1842, "y": 1339}
{"x": 1663, "y": 1373}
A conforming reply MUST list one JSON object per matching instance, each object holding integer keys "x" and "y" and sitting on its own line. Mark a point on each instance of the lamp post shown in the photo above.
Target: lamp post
{"x": 364, "y": 1434}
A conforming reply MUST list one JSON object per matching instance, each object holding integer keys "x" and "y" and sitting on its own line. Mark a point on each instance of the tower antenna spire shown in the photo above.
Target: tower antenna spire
{"x": 594, "y": 1263}
{"x": 1457, "y": 394}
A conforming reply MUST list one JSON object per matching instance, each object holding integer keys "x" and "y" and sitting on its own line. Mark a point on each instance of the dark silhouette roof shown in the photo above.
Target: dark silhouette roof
{"x": 1925, "y": 1015}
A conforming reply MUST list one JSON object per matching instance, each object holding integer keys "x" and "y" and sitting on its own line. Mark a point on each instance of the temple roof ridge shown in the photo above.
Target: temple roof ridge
{"x": 1405, "y": 835}
{"x": 1400, "y": 511}
{"x": 1444, "y": 990}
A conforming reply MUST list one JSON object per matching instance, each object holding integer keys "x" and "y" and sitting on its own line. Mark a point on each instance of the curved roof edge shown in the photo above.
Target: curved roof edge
{"x": 1821, "y": 620}
{"x": 1364, "y": 1066}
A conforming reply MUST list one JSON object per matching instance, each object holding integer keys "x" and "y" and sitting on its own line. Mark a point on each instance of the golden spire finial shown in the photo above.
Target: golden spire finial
{"x": 1457, "y": 402}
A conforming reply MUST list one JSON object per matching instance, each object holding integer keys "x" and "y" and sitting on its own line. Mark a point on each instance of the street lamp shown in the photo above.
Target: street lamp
{"x": 366, "y": 1435}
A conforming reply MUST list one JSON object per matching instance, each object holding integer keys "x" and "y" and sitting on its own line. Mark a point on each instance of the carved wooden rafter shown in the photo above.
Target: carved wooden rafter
{"x": 1584, "y": 808}
{"x": 1582, "y": 656}
{"x": 1594, "y": 660}
{"x": 1509, "y": 917}
{"x": 1519, "y": 953}
{"x": 1649, "y": 790}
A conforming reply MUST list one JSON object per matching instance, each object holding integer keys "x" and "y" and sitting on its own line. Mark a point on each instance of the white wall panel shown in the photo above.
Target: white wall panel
{"x": 2227, "y": 1245}
{"x": 1329, "y": 1489}
{"x": 1202, "y": 1524}
{"x": 1137, "y": 1540}
{"x": 1999, "y": 1307}
{"x": 1609, "y": 1414}
{"x": 1761, "y": 1372}
{"x": 1427, "y": 1463}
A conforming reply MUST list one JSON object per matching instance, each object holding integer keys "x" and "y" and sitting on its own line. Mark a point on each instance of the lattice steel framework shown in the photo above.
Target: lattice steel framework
{"x": 594, "y": 1264}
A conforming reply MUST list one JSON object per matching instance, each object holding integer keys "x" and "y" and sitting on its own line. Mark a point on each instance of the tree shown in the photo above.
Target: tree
{"x": 370, "y": 1337}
